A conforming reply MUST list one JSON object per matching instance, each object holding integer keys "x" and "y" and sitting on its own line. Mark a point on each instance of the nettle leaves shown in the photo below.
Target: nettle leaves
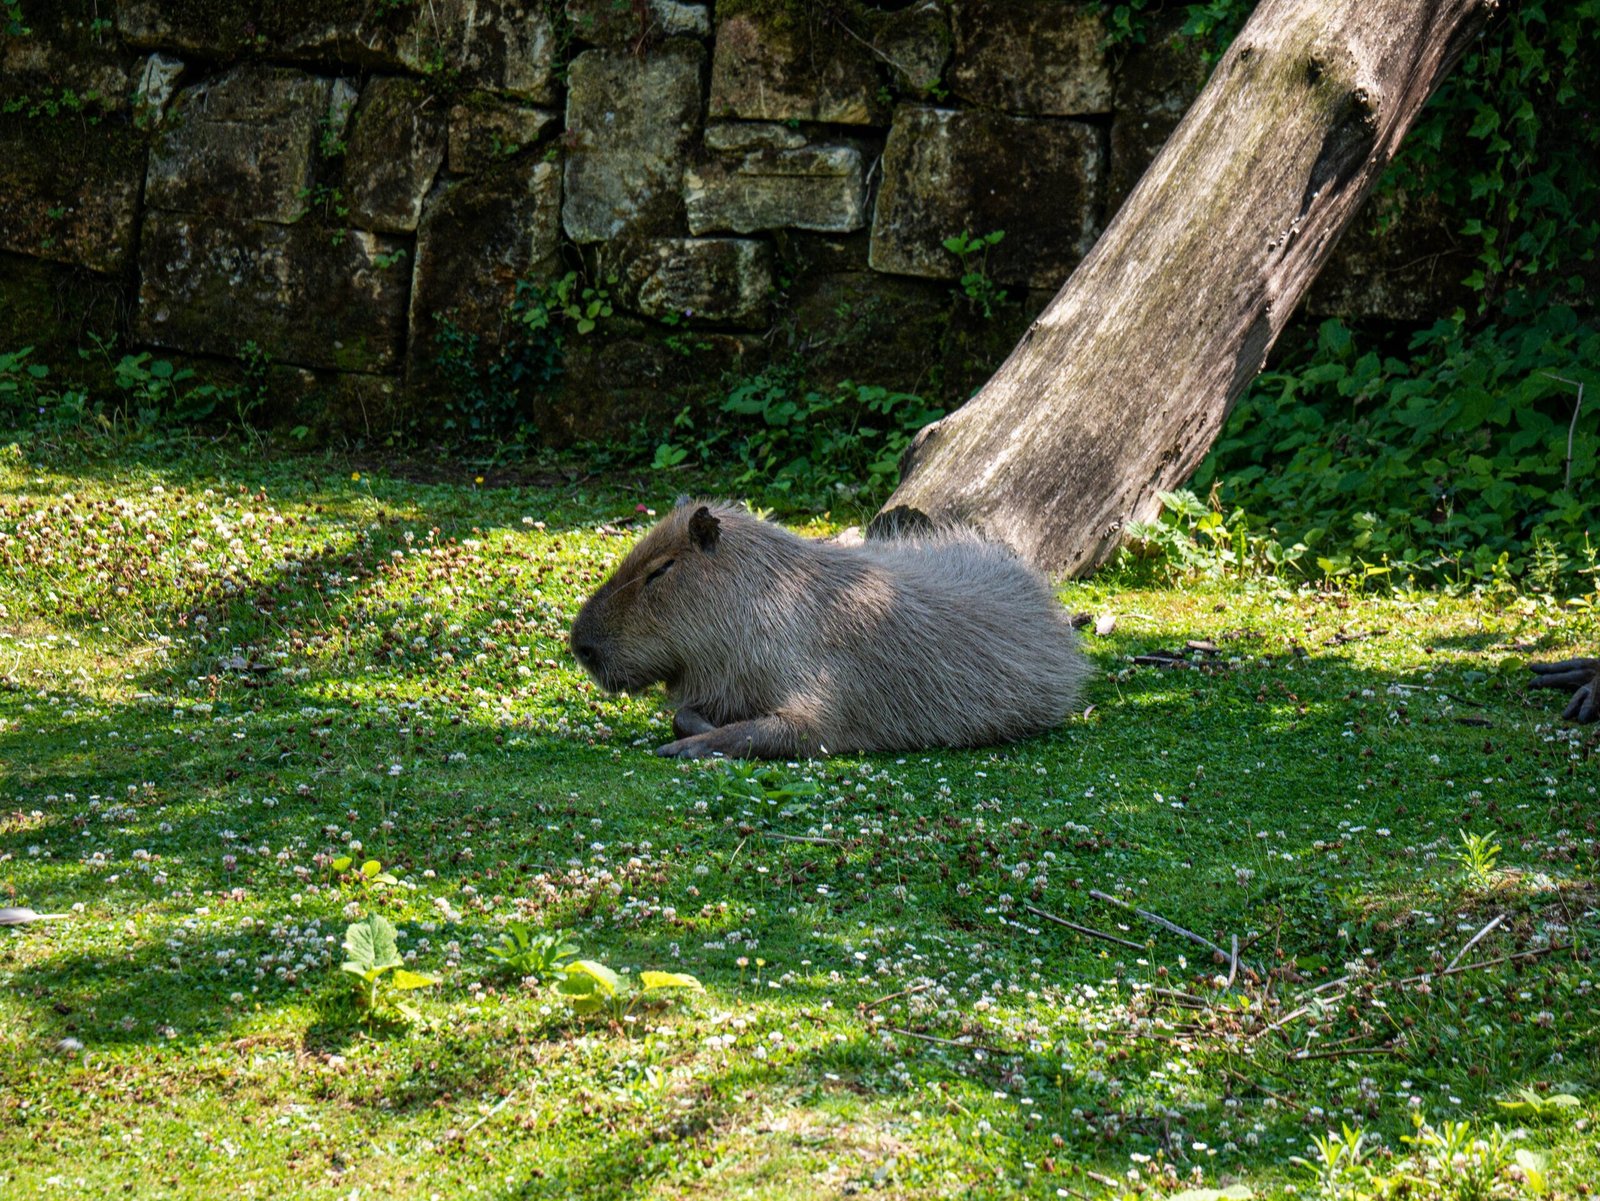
{"x": 379, "y": 974}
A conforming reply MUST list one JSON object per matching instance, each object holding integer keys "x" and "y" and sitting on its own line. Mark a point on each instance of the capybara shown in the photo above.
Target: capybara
{"x": 774, "y": 646}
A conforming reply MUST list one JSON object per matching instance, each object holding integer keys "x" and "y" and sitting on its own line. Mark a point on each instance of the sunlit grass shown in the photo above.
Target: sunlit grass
{"x": 206, "y": 698}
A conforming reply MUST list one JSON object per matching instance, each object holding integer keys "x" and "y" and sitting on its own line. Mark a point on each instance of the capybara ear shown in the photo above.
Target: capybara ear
{"x": 704, "y": 529}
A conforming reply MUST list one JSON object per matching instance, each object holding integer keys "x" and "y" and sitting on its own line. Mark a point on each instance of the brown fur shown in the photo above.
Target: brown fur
{"x": 772, "y": 646}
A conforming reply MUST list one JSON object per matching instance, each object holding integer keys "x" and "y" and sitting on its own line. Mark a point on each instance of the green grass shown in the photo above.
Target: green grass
{"x": 183, "y": 1033}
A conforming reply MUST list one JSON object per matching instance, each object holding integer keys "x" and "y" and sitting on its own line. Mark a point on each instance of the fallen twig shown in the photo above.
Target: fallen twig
{"x": 812, "y": 838}
{"x": 1233, "y": 962}
{"x": 1158, "y": 920}
{"x": 1475, "y": 940}
{"x": 1259, "y": 1087}
{"x": 865, "y": 1006}
{"x": 1088, "y": 930}
{"x": 1343, "y": 1052}
{"x": 1347, "y": 982}
{"x": 949, "y": 1042}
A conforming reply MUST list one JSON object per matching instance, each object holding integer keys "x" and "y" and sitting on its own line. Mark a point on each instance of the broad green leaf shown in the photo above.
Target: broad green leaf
{"x": 371, "y": 868}
{"x": 604, "y": 978}
{"x": 406, "y": 979}
{"x": 342, "y": 863}
{"x": 654, "y": 980}
{"x": 370, "y": 942}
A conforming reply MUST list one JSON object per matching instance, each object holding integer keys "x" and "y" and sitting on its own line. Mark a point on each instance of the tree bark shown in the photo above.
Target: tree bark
{"x": 1120, "y": 387}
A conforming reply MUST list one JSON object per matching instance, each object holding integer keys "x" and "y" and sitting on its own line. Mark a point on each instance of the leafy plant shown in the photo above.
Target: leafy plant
{"x": 371, "y": 872}
{"x": 379, "y": 977}
{"x": 593, "y": 989}
{"x": 1191, "y": 539}
{"x": 981, "y": 291}
{"x": 1529, "y": 1103}
{"x": 786, "y": 438}
{"x": 1477, "y": 857}
{"x": 1438, "y": 459}
{"x": 157, "y": 388}
{"x": 530, "y": 952}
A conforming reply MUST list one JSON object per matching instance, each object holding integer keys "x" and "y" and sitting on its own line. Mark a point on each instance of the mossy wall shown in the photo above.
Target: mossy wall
{"x": 359, "y": 188}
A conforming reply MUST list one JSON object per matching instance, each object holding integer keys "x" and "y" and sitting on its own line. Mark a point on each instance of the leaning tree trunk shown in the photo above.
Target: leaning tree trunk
{"x": 1120, "y": 387}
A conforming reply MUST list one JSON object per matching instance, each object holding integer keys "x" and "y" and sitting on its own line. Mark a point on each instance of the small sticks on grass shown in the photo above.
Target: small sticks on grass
{"x": 1475, "y": 940}
{"x": 1158, "y": 920}
{"x": 1089, "y": 931}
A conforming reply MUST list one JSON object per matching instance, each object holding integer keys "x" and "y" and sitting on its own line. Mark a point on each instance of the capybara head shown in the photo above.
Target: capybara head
{"x": 651, "y": 616}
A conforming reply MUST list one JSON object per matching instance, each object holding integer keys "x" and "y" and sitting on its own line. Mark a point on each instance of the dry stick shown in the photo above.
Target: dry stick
{"x": 1159, "y": 921}
{"x": 1233, "y": 963}
{"x": 1475, "y": 940}
{"x": 1259, "y": 1087}
{"x": 1089, "y": 930}
{"x": 1187, "y": 1000}
{"x": 1417, "y": 979}
{"x": 1572, "y": 428}
{"x": 950, "y": 1042}
{"x": 799, "y": 838}
{"x": 904, "y": 992}
{"x": 1341, "y": 1054}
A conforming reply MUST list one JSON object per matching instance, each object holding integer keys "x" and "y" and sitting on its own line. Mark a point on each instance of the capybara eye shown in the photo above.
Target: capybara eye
{"x": 660, "y": 571}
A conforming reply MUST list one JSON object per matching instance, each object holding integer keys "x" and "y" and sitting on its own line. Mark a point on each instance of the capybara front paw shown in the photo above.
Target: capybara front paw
{"x": 695, "y": 747}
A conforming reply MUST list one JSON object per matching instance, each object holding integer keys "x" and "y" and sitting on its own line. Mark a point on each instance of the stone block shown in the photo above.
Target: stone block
{"x": 629, "y": 124}
{"x": 626, "y": 24}
{"x": 819, "y": 187}
{"x": 766, "y": 70}
{"x": 915, "y": 42}
{"x": 188, "y": 25}
{"x": 1032, "y": 57}
{"x": 477, "y": 238}
{"x": 1155, "y": 85}
{"x": 485, "y": 130}
{"x": 242, "y": 145}
{"x": 61, "y": 55}
{"x": 305, "y": 296}
{"x": 154, "y": 85}
{"x": 724, "y": 281}
{"x": 69, "y": 190}
{"x": 947, "y": 172}
{"x": 505, "y": 46}
{"x": 396, "y": 148}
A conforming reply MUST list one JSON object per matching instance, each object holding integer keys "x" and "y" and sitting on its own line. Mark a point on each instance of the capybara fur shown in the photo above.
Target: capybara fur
{"x": 774, "y": 646}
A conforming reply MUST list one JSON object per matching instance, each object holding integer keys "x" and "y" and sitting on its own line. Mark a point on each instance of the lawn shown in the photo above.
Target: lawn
{"x": 228, "y": 679}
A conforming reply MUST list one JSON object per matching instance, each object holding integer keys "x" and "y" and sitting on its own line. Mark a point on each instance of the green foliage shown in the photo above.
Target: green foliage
{"x": 1510, "y": 148}
{"x": 785, "y": 438}
{"x": 1191, "y": 539}
{"x": 1454, "y": 1161}
{"x": 1440, "y": 458}
{"x": 1477, "y": 857}
{"x": 531, "y": 952}
{"x": 593, "y": 990}
{"x": 370, "y": 873}
{"x": 980, "y": 291}
{"x": 156, "y": 388}
{"x": 490, "y": 393}
{"x": 378, "y": 976}
{"x": 1530, "y": 1104}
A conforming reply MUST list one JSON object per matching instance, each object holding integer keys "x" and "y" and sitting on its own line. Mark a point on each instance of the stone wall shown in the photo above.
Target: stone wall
{"x": 345, "y": 183}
